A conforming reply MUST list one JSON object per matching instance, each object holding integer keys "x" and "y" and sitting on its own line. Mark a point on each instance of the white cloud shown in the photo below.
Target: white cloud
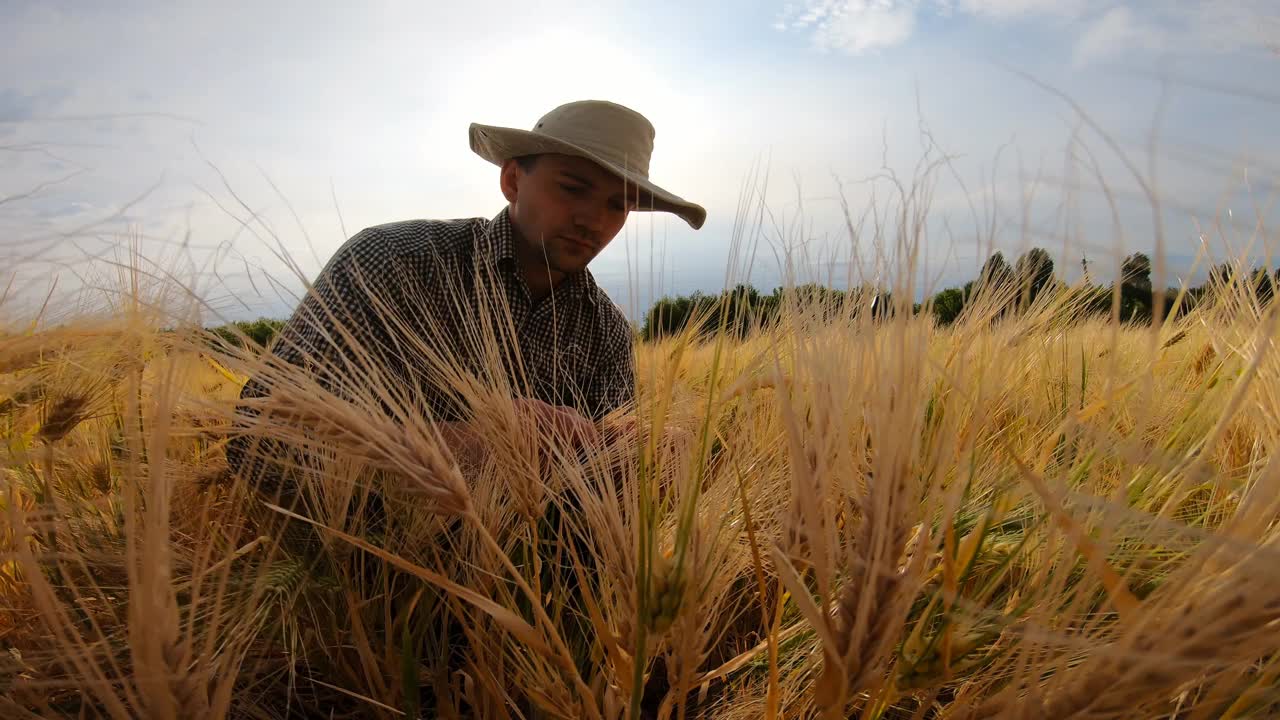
{"x": 1227, "y": 26}
{"x": 1116, "y": 32}
{"x": 1109, "y": 27}
{"x": 1199, "y": 27}
{"x": 855, "y": 26}
{"x": 864, "y": 26}
{"x": 1009, "y": 9}
{"x": 861, "y": 26}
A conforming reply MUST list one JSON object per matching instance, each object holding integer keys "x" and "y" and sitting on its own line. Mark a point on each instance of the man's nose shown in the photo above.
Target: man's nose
{"x": 590, "y": 218}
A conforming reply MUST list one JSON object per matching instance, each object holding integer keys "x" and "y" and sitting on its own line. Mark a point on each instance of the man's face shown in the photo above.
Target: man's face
{"x": 565, "y": 210}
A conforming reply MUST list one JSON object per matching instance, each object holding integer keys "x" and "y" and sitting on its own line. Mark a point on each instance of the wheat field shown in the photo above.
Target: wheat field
{"x": 845, "y": 514}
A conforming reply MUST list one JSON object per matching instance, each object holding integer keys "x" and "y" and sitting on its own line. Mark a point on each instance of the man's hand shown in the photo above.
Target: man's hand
{"x": 629, "y": 428}
{"x": 563, "y": 423}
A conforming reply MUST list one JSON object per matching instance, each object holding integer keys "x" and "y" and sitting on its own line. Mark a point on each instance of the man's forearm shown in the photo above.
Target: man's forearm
{"x": 464, "y": 442}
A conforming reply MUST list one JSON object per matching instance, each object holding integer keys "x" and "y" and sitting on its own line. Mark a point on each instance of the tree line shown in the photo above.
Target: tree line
{"x": 241, "y": 333}
{"x": 743, "y": 307}
{"x": 1024, "y": 281}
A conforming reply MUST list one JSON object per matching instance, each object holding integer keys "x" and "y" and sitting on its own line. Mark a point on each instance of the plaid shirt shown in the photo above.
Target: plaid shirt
{"x": 425, "y": 294}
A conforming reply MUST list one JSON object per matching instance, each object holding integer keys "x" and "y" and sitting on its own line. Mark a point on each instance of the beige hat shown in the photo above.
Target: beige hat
{"x": 617, "y": 138}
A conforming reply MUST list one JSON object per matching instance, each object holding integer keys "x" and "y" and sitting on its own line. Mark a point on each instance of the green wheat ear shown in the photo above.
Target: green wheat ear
{"x": 285, "y": 577}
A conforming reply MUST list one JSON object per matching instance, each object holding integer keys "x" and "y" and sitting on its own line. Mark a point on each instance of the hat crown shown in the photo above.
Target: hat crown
{"x": 616, "y": 133}
{"x": 617, "y": 138}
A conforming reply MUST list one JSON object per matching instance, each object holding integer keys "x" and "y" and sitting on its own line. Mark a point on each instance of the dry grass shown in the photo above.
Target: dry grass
{"x": 845, "y": 514}
{"x": 1036, "y": 517}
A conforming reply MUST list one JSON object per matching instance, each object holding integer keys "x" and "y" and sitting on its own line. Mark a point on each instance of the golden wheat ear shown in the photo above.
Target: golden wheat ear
{"x": 63, "y": 415}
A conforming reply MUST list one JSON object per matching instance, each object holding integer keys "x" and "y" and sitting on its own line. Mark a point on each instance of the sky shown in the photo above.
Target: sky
{"x": 235, "y": 146}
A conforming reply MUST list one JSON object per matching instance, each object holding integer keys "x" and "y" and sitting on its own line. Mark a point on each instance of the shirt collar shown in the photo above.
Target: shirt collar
{"x": 501, "y": 240}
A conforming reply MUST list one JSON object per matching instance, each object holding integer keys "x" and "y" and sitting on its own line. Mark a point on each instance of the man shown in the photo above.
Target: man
{"x": 427, "y": 304}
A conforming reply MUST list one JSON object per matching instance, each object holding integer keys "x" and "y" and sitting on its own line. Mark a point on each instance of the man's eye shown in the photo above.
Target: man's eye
{"x": 572, "y": 189}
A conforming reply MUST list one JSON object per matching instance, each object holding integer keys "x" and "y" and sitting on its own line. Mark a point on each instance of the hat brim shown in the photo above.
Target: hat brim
{"x": 499, "y": 144}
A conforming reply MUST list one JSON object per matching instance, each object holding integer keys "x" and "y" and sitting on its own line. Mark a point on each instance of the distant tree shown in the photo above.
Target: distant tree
{"x": 1135, "y": 272}
{"x": 259, "y": 332}
{"x": 263, "y": 331}
{"x": 947, "y": 305}
{"x": 993, "y": 278}
{"x": 882, "y": 304}
{"x": 1263, "y": 285}
{"x": 668, "y": 316}
{"x": 745, "y": 293}
{"x": 1222, "y": 274}
{"x": 814, "y": 292}
{"x": 740, "y": 307}
{"x": 1034, "y": 272}
{"x": 1187, "y": 304}
{"x": 1096, "y": 300}
{"x": 827, "y": 301}
{"x": 1135, "y": 288}
{"x": 767, "y": 309}
{"x": 995, "y": 271}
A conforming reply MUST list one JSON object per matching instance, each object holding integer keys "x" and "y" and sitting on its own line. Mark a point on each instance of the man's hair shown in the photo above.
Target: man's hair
{"x": 526, "y": 162}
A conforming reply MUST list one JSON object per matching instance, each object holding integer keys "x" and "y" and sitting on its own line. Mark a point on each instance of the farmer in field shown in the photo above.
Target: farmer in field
{"x": 408, "y": 305}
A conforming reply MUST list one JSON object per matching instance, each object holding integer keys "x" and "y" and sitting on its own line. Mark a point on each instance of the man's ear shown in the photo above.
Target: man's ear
{"x": 510, "y": 178}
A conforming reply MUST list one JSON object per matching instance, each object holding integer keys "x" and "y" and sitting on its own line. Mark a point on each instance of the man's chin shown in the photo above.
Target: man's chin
{"x": 567, "y": 266}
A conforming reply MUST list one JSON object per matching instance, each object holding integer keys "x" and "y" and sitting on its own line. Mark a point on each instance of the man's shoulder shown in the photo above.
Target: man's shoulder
{"x": 416, "y": 244}
{"x": 405, "y": 247}
{"x": 423, "y": 235}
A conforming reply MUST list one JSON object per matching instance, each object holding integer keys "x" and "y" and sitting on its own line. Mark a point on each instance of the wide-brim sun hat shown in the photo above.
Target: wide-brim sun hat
{"x": 616, "y": 138}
